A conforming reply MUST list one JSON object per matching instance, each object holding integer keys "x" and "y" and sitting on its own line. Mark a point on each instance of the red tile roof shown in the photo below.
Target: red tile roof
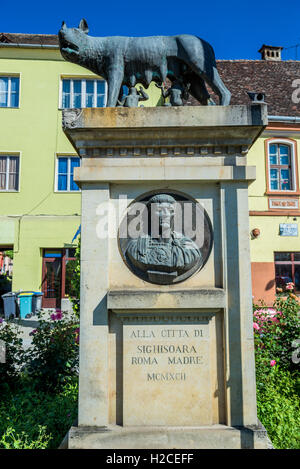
{"x": 19, "y": 38}
{"x": 274, "y": 78}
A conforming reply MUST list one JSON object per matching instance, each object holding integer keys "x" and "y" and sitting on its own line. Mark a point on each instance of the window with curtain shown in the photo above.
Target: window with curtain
{"x": 65, "y": 173}
{"x": 9, "y": 91}
{"x": 287, "y": 269}
{"x": 82, "y": 93}
{"x": 9, "y": 173}
{"x": 280, "y": 167}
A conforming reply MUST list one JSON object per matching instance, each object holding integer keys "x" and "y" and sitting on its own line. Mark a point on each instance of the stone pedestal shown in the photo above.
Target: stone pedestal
{"x": 166, "y": 365}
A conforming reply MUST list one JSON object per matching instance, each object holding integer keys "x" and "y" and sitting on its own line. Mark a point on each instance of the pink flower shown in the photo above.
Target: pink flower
{"x": 256, "y": 326}
{"x": 56, "y": 317}
{"x": 265, "y": 316}
{"x": 1, "y": 320}
{"x": 33, "y": 332}
{"x": 272, "y": 363}
{"x": 290, "y": 286}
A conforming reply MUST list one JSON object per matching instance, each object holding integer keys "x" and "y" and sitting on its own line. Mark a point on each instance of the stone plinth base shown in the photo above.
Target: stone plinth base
{"x": 169, "y": 361}
{"x": 212, "y": 437}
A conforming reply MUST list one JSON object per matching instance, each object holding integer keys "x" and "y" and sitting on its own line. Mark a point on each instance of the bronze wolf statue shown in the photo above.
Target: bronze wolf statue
{"x": 130, "y": 60}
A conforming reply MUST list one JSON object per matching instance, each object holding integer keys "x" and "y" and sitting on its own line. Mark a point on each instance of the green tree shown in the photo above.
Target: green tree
{"x": 75, "y": 282}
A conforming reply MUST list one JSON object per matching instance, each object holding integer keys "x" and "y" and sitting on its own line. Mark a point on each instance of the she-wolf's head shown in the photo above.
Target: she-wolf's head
{"x": 73, "y": 41}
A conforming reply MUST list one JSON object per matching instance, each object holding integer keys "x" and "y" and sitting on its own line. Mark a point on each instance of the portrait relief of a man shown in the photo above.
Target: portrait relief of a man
{"x": 162, "y": 254}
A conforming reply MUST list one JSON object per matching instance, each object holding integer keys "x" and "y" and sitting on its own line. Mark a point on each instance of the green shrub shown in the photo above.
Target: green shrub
{"x": 32, "y": 419}
{"x": 277, "y": 374}
{"x": 275, "y": 331}
{"x": 75, "y": 282}
{"x": 52, "y": 359}
{"x": 39, "y": 386}
{"x": 278, "y": 407}
{"x": 11, "y": 440}
{"x": 13, "y": 356}
{"x": 5, "y": 284}
{"x": 9, "y": 253}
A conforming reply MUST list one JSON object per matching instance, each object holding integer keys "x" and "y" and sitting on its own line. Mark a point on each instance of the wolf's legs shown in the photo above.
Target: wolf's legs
{"x": 198, "y": 89}
{"x": 212, "y": 77}
{"x": 114, "y": 83}
{"x": 218, "y": 86}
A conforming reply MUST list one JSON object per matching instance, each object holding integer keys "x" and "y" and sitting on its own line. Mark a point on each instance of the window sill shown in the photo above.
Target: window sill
{"x": 67, "y": 192}
{"x": 282, "y": 193}
{"x": 91, "y": 107}
{"x": 275, "y": 212}
{"x": 9, "y": 192}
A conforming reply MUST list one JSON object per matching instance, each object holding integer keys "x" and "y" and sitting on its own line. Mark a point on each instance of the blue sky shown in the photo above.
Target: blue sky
{"x": 236, "y": 28}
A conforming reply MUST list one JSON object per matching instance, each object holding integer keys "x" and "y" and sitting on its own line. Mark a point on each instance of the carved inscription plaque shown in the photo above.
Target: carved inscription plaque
{"x": 168, "y": 370}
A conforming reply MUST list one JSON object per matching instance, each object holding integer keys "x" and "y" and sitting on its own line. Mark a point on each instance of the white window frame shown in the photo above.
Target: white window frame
{"x": 83, "y": 90}
{"x": 68, "y": 190}
{"x": 292, "y": 146}
{"x": 8, "y": 156}
{"x": 10, "y": 76}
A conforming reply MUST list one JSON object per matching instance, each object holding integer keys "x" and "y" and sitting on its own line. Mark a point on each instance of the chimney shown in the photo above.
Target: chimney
{"x": 256, "y": 98}
{"x": 270, "y": 53}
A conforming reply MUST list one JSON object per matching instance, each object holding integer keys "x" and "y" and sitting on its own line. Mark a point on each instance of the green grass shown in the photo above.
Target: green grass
{"x": 34, "y": 419}
{"x": 278, "y": 407}
{"x": 31, "y": 419}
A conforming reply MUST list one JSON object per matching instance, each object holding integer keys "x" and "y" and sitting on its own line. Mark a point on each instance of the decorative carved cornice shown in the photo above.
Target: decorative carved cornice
{"x": 159, "y": 151}
{"x": 166, "y": 318}
{"x": 71, "y": 118}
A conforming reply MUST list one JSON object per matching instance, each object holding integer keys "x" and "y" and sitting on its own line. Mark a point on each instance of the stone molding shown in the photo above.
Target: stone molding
{"x": 157, "y": 131}
{"x": 209, "y": 298}
{"x": 160, "y": 151}
{"x": 167, "y": 318}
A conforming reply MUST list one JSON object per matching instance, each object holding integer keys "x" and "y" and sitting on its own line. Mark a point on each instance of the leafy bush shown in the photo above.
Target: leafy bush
{"x": 11, "y": 440}
{"x": 275, "y": 331}
{"x": 13, "y": 354}
{"x": 9, "y": 253}
{"x": 5, "y": 284}
{"x": 75, "y": 282}
{"x": 39, "y": 386}
{"x": 278, "y": 407}
{"x": 33, "y": 419}
{"x": 52, "y": 358}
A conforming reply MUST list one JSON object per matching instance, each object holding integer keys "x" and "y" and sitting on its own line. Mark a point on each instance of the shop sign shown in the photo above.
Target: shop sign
{"x": 288, "y": 229}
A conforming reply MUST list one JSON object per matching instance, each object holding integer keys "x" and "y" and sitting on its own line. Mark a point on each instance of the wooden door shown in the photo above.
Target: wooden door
{"x": 51, "y": 284}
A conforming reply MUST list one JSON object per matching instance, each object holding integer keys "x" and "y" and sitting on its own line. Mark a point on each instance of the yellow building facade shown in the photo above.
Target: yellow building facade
{"x": 274, "y": 210}
{"x": 40, "y": 205}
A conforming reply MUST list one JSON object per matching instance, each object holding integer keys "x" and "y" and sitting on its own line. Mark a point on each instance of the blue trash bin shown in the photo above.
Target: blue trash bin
{"x": 25, "y": 299}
